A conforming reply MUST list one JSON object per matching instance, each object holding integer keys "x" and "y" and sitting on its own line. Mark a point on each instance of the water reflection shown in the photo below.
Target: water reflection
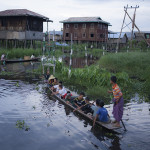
{"x": 80, "y": 62}
{"x": 51, "y": 122}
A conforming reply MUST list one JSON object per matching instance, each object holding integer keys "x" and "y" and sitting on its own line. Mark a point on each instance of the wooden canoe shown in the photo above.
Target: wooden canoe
{"x": 108, "y": 126}
{"x": 21, "y": 60}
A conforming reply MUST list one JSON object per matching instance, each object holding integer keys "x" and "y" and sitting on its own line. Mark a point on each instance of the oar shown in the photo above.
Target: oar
{"x": 123, "y": 125}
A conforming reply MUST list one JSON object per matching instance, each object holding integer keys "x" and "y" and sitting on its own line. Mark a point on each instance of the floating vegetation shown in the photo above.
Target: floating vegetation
{"x": 34, "y": 107}
{"x": 21, "y": 125}
{"x": 37, "y": 88}
{"x": 17, "y": 84}
{"x": 5, "y": 73}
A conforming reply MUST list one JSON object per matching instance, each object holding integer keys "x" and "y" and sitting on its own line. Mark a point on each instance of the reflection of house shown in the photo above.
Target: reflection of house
{"x": 57, "y": 35}
{"x": 79, "y": 62}
{"x": 85, "y": 29}
{"x": 21, "y": 24}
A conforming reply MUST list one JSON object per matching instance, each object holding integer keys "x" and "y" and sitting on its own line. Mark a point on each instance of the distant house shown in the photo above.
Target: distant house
{"x": 57, "y": 35}
{"x": 143, "y": 35}
{"x": 21, "y": 24}
{"x": 113, "y": 37}
{"x": 85, "y": 29}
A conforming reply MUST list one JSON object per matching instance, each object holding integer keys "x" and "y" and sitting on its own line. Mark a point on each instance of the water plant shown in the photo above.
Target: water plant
{"x": 21, "y": 125}
{"x": 17, "y": 84}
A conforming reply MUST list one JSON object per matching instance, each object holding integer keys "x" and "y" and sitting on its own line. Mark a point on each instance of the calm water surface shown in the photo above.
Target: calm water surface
{"x": 54, "y": 126}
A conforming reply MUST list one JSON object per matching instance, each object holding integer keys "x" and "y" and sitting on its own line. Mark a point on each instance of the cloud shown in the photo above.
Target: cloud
{"x": 109, "y": 10}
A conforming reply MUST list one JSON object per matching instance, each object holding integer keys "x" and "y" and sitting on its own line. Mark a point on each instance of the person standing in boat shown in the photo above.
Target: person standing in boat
{"x": 117, "y": 100}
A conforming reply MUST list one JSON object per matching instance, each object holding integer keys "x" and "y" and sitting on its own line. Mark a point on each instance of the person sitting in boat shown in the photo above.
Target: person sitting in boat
{"x": 55, "y": 88}
{"x": 79, "y": 101}
{"x": 3, "y": 58}
{"x": 102, "y": 113}
{"x": 51, "y": 80}
{"x": 61, "y": 92}
{"x": 68, "y": 92}
{"x": 32, "y": 56}
{"x": 87, "y": 107}
{"x": 95, "y": 108}
{"x": 55, "y": 82}
{"x": 69, "y": 99}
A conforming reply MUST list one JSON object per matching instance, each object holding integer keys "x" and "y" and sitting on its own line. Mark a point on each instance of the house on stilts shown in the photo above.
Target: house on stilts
{"x": 91, "y": 30}
{"x": 21, "y": 28}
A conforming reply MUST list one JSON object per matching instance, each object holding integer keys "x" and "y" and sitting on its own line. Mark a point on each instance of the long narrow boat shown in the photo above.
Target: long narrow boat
{"x": 108, "y": 126}
{"x": 21, "y": 60}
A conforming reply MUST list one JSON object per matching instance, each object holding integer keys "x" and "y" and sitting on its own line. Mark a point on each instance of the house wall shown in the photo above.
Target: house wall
{"x": 81, "y": 33}
{"x": 21, "y": 28}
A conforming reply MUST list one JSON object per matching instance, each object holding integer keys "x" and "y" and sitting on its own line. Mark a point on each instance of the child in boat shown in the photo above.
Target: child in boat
{"x": 102, "y": 113}
{"x": 68, "y": 92}
{"x": 118, "y": 101}
{"x": 87, "y": 107}
{"x": 61, "y": 92}
{"x": 95, "y": 108}
{"x": 55, "y": 88}
{"x": 79, "y": 101}
{"x": 68, "y": 99}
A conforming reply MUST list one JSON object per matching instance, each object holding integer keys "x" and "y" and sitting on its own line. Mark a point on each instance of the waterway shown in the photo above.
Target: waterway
{"x": 51, "y": 125}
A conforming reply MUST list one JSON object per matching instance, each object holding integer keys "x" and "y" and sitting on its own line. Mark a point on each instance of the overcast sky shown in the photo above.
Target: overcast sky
{"x": 109, "y": 10}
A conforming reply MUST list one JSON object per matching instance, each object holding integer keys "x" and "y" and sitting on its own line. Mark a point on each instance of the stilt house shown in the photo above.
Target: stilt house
{"x": 85, "y": 29}
{"x": 21, "y": 25}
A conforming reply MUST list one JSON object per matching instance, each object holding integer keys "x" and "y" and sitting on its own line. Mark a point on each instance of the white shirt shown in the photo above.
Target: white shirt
{"x": 32, "y": 56}
{"x": 62, "y": 92}
{"x": 56, "y": 87}
{"x": 2, "y": 57}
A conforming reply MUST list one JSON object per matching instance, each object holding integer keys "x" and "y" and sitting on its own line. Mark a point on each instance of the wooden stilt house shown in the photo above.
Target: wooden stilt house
{"x": 21, "y": 27}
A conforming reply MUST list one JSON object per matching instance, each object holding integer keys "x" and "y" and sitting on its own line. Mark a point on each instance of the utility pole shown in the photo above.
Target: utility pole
{"x": 132, "y": 20}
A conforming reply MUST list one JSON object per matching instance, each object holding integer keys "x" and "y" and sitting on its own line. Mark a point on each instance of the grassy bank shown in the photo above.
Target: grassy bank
{"x": 135, "y": 64}
{"x": 132, "y": 70}
{"x": 20, "y": 53}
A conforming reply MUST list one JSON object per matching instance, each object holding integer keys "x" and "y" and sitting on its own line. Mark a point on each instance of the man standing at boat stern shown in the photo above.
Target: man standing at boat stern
{"x": 117, "y": 100}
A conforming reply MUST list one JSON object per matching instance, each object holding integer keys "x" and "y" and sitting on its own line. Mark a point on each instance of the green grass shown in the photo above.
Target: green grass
{"x": 135, "y": 64}
{"x": 20, "y": 53}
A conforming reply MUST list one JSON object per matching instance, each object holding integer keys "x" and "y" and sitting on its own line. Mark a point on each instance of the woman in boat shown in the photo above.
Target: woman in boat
{"x": 117, "y": 100}
{"x": 51, "y": 80}
{"x": 79, "y": 101}
{"x": 102, "y": 113}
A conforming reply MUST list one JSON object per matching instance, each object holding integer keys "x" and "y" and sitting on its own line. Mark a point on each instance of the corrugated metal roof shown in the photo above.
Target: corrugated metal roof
{"x": 84, "y": 19}
{"x": 116, "y": 35}
{"x": 56, "y": 32}
{"x": 21, "y": 12}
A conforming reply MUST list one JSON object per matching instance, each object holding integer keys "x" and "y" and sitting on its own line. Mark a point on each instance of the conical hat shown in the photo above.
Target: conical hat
{"x": 51, "y": 77}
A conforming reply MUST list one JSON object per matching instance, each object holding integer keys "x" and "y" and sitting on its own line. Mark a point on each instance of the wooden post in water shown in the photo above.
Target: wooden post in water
{"x": 86, "y": 60}
{"x": 70, "y": 58}
{"x": 54, "y": 52}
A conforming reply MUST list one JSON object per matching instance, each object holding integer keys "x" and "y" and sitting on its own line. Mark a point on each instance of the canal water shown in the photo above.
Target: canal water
{"x": 48, "y": 124}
